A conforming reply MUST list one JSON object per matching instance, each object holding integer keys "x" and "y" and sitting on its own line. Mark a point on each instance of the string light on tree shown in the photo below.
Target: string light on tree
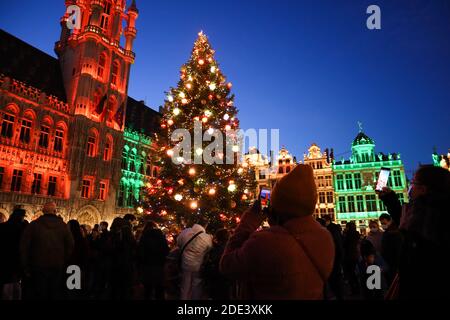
{"x": 232, "y": 187}
{"x": 194, "y": 205}
{"x": 202, "y": 94}
{"x": 199, "y": 151}
{"x": 180, "y": 159}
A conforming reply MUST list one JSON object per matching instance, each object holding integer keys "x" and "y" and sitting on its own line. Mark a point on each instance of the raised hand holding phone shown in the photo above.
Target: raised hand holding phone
{"x": 383, "y": 179}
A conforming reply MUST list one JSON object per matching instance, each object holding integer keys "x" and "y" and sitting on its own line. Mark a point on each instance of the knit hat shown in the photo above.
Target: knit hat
{"x": 295, "y": 194}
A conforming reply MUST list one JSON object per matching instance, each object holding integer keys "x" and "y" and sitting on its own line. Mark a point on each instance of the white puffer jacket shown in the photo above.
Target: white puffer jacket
{"x": 195, "y": 252}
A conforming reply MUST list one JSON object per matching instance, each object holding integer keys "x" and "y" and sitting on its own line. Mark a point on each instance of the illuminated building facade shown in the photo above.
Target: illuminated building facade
{"x": 261, "y": 165}
{"x": 266, "y": 173}
{"x": 355, "y": 179}
{"x": 323, "y": 175}
{"x": 63, "y": 120}
{"x": 442, "y": 161}
{"x": 137, "y": 154}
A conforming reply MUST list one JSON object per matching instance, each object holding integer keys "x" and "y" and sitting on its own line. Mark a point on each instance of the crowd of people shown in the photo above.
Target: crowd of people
{"x": 297, "y": 257}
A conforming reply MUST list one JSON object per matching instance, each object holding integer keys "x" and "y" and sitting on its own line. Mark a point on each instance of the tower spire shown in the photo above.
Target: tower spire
{"x": 360, "y": 125}
{"x": 133, "y": 7}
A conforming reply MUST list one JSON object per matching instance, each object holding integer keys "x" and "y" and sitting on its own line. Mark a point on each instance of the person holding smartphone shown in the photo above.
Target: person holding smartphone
{"x": 293, "y": 258}
{"x": 422, "y": 272}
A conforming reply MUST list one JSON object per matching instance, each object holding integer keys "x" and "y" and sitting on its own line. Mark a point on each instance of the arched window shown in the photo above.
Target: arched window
{"x": 59, "y": 138}
{"x": 115, "y": 73}
{"x": 142, "y": 165}
{"x": 92, "y": 143}
{"x": 121, "y": 197}
{"x": 107, "y": 152}
{"x": 104, "y": 20}
{"x": 148, "y": 166}
{"x": 101, "y": 65}
{"x": 25, "y": 131}
{"x": 44, "y": 134}
{"x": 8, "y": 119}
{"x": 130, "y": 195}
{"x": 133, "y": 160}
{"x": 7, "y": 125}
{"x": 26, "y": 126}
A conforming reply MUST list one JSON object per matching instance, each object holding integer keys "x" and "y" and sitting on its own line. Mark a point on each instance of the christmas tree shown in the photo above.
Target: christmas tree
{"x": 210, "y": 182}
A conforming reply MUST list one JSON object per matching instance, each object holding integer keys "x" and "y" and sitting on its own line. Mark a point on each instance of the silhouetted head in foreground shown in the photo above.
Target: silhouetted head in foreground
{"x": 17, "y": 217}
{"x": 428, "y": 211}
{"x": 49, "y": 208}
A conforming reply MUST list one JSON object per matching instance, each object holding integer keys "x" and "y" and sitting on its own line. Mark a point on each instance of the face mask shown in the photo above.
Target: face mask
{"x": 373, "y": 229}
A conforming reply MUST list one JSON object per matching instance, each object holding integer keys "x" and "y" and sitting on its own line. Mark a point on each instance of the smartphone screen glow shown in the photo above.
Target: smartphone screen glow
{"x": 265, "y": 198}
{"x": 383, "y": 179}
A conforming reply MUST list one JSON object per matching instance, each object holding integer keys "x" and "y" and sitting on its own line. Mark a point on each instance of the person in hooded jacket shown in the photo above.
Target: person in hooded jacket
{"x": 291, "y": 260}
{"x": 45, "y": 249}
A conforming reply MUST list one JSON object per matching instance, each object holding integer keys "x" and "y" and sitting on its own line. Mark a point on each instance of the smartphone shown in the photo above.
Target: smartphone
{"x": 383, "y": 179}
{"x": 264, "y": 197}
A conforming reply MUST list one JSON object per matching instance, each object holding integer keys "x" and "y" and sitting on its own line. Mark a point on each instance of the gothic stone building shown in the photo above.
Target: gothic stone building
{"x": 267, "y": 173}
{"x": 63, "y": 120}
{"x": 321, "y": 162}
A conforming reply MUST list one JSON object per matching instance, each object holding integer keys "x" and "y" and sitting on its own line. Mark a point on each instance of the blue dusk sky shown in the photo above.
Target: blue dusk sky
{"x": 310, "y": 68}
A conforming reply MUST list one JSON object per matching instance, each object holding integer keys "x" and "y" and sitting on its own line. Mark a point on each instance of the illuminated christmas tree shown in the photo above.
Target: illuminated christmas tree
{"x": 191, "y": 186}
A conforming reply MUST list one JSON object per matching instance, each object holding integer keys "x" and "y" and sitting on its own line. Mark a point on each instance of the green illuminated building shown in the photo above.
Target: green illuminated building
{"x": 137, "y": 154}
{"x": 355, "y": 179}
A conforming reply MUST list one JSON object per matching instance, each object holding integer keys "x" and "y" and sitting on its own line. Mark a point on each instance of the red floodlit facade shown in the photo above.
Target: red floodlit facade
{"x": 61, "y": 136}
